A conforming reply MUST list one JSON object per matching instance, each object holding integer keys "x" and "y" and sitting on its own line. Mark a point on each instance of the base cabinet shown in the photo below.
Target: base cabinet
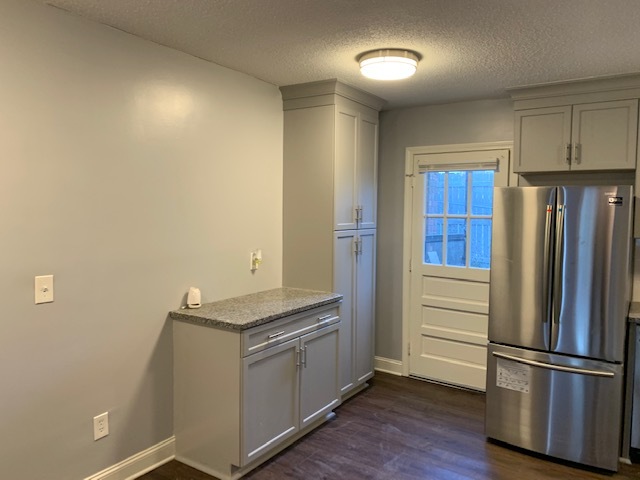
{"x": 287, "y": 388}
{"x": 270, "y": 399}
{"x": 240, "y": 397}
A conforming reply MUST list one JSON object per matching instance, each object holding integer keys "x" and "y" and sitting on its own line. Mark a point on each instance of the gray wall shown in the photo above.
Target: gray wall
{"x": 129, "y": 171}
{"x": 468, "y": 122}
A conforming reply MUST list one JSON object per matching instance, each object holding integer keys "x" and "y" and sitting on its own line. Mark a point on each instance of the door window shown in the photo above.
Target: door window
{"x": 457, "y": 218}
{"x": 452, "y": 210}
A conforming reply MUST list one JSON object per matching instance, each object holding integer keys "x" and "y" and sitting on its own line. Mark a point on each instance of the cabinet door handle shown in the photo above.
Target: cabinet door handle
{"x": 576, "y": 153}
{"x": 324, "y": 318}
{"x": 358, "y": 213}
{"x": 297, "y": 357}
{"x": 275, "y": 335}
{"x": 304, "y": 356}
{"x": 568, "y": 155}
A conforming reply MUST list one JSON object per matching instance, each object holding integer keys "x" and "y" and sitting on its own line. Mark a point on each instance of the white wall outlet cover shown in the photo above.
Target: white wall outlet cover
{"x": 256, "y": 259}
{"x": 101, "y": 425}
{"x": 44, "y": 289}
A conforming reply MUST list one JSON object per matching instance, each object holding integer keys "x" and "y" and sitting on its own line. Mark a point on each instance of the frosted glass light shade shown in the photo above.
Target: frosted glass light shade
{"x": 388, "y": 64}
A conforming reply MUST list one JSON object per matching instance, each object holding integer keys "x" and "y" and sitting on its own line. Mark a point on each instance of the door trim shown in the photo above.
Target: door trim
{"x": 410, "y": 154}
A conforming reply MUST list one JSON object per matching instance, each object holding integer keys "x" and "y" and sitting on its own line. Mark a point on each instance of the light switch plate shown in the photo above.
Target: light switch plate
{"x": 44, "y": 289}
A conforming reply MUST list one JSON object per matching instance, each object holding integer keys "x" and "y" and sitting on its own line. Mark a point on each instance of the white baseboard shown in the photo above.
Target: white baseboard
{"x": 388, "y": 365}
{"x": 140, "y": 463}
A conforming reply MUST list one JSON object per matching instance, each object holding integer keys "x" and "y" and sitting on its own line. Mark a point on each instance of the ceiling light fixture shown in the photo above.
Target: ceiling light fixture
{"x": 388, "y": 64}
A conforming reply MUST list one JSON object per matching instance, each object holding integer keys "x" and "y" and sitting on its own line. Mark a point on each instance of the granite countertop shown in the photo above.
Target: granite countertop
{"x": 634, "y": 312}
{"x": 241, "y": 313}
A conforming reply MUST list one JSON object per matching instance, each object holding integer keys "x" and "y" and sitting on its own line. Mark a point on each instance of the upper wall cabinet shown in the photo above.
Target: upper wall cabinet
{"x": 590, "y": 136}
{"x": 356, "y": 167}
{"x": 332, "y": 133}
{"x": 589, "y": 125}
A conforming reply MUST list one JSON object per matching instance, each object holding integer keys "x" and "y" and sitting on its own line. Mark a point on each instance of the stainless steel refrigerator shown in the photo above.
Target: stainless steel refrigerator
{"x": 558, "y": 302}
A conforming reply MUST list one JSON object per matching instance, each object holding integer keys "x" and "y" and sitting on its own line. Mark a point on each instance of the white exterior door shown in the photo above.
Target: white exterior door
{"x": 450, "y": 256}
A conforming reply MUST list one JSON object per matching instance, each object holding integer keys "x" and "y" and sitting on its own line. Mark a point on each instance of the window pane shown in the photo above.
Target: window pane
{"x": 456, "y": 242}
{"x": 481, "y": 192}
{"x": 435, "y": 193}
{"x": 480, "y": 243}
{"x": 433, "y": 241}
{"x": 457, "y": 193}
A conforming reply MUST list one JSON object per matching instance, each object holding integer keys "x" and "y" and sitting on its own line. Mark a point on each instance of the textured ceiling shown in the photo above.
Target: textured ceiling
{"x": 471, "y": 48}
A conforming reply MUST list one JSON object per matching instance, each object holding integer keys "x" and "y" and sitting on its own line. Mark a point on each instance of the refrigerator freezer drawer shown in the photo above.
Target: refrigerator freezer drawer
{"x": 561, "y": 406}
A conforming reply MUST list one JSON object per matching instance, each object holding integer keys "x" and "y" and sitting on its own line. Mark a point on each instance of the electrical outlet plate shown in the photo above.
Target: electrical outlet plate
{"x": 44, "y": 289}
{"x": 256, "y": 259}
{"x": 101, "y": 425}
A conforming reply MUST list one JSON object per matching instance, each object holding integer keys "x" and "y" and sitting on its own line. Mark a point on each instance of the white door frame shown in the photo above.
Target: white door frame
{"x": 410, "y": 153}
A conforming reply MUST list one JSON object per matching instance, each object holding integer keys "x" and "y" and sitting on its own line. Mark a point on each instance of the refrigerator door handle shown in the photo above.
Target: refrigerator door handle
{"x": 558, "y": 274}
{"x": 546, "y": 263}
{"x": 549, "y": 366}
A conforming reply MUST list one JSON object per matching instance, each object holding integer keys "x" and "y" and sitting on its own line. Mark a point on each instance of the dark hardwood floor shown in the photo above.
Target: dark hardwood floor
{"x": 405, "y": 429}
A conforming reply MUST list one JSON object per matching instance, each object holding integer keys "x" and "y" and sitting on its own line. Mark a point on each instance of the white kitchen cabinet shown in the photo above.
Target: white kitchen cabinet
{"x": 354, "y": 270}
{"x": 242, "y": 396}
{"x": 270, "y": 398}
{"x": 605, "y": 135}
{"x": 331, "y": 146}
{"x": 288, "y": 387}
{"x": 367, "y": 170}
{"x": 587, "y": 137}
{"x": 541, "y": 139}
{"x": 356, "y": 167}
{"x": 330, "y": 194}
{"x": 588, "y": 125}
{"x": 319, "y": 374}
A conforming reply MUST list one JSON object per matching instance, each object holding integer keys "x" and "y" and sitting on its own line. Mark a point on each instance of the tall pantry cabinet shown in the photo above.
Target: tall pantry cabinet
{"x": 330, "y": 185}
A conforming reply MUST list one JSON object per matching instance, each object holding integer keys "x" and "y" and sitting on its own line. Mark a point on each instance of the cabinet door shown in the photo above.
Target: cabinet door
{"x": 319, "y": 390}
{"x": 542, "y": 136}
{"x": 345, "y": 195}
{"x": 604, "y": 135}
{"x": 367, "y": 170}
{"x": 344, "y": 282}
{"x": 364, "y": 305}
{"x": 270, "y": 410}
